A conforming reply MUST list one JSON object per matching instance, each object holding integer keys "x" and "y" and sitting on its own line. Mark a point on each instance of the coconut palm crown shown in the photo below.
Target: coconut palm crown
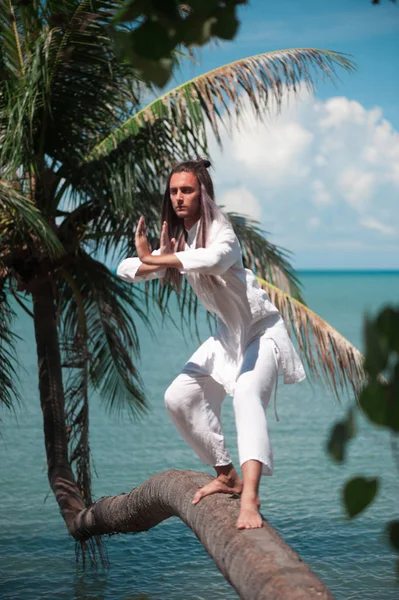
{"x": 81, "y": 158}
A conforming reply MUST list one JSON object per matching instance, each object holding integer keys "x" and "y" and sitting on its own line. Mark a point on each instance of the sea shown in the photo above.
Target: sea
{"x": 302, "y": 500}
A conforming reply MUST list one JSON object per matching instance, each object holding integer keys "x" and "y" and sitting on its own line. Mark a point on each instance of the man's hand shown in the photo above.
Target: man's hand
{"x": 168, "y": 260}
{"x": 167, "y": 246}
{"x": 143, "y": 248}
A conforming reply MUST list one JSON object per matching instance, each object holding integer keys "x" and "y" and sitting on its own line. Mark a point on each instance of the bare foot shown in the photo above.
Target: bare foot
{"x": 223, "y": 484}
{"x": 249, "y": 517}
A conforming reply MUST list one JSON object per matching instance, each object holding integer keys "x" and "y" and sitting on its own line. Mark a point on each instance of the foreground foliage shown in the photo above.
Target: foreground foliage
{"x": 379, "y": 402}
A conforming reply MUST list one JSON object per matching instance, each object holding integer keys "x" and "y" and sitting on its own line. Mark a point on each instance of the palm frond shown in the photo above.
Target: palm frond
{"x": 75, "y": 17}
{"x": 126, "y": 184}
{"x": 224, "y": 91}
{"x": 10, "y": 38}
{"x": 77, "y": 418}
{"x": 328, "y": 355}
{"x": 109, "y": 306}
{"x": 17, "y": 214}
{"x": 74, "y": 90}
{"x": 9, "y": 393}
{"x": 91, "y": 90}
{"x": 76, "y": 385}
{"x": 264, "y": 258}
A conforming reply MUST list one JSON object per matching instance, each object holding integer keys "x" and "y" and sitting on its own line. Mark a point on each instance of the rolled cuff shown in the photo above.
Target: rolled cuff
{"x": 128, "y": 268}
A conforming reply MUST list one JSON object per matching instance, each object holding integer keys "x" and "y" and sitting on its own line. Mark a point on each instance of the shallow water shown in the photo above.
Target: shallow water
{"x": 302, "y": 499}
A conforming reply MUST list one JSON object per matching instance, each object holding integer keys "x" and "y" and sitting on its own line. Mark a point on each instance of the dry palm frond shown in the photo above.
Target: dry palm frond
{"x": 264, "y": 258}
{"x": 210, "y": 97}
{"x": 327, "y": 353}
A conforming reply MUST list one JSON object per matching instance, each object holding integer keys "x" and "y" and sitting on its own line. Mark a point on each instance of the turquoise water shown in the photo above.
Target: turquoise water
{"x": 302, "y": 499}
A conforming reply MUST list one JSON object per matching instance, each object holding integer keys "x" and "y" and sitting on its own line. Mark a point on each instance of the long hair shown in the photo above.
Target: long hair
{"x": 209, "y": 212}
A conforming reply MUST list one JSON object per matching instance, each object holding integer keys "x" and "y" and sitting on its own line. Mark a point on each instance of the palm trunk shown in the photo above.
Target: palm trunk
{"x": 257, "y": 563}
{"x": 60, "y": 474}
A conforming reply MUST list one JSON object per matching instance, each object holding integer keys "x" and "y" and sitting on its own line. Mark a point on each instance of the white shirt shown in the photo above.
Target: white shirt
{"x": 242, "y": 308}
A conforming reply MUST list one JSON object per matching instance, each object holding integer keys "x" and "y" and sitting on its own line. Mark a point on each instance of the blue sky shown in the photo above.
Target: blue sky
{"x": 323, "y": 176}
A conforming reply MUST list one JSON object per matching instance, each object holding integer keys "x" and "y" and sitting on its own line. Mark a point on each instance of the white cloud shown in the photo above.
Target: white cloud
{"x": 377, "y": 226}
{"x": 314, "y": 222}
{"x": 320, "y": 193}
{"x": 241, "y": 200}
{"x": 321, "y": 173}
{"x": 356, "y": 186}
{"x": 320, "y": 160}
{"x": 337, "y": 111}
{"x": 268, "y": 152}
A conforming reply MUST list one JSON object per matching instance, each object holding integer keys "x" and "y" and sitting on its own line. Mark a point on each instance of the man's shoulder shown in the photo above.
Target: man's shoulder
{"x": 220, "y": 227}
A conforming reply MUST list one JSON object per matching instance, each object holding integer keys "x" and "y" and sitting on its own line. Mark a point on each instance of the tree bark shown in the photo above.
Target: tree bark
{"x": 257, "y": 563}
{"x": 52, "y": 401}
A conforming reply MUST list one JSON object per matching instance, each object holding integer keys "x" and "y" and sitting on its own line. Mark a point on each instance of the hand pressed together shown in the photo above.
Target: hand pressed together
{"x": 143, "y": 247}
{"x": 168, "y": 247}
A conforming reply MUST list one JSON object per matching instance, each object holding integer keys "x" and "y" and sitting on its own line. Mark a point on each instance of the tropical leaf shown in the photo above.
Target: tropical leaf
{"x": 9, "y": 393}
{"x": 128, "y": 180}
{"x": 222, "y": 92}
{"x": 12, "y": 44}
{"x": 19, "y": 213}
{"x": 74, "y": 89}
{"x": 76, "y": 388}
{"x": 109, "y": 306}
{"x": 75, "y": 364}
{"x": 328, "y": 354}
{"x": 264, "y": 258}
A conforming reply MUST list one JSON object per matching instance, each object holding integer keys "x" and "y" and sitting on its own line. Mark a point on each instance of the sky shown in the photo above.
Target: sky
{"x": 322, "y": 176}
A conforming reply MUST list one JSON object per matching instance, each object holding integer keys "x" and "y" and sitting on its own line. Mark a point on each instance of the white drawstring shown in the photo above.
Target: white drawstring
{"x": 276, "y": 350}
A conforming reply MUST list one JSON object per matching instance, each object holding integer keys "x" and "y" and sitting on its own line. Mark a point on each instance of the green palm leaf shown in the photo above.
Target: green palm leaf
{"x": 264, "y": 258}
{"x": 17, "y": 214}
{"x": 328, "y": 354}
{"x": 216, "y": 94}
{"x": 9, "y": 393}
{"x": 12, "y": 51}
{"x": 109, "y": 306}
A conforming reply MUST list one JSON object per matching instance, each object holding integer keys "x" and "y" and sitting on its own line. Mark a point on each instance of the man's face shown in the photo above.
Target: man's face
{"x": 185, "y": 193}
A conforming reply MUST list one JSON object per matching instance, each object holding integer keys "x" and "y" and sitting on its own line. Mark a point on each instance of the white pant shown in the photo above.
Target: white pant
{"x": 194, "y": 404}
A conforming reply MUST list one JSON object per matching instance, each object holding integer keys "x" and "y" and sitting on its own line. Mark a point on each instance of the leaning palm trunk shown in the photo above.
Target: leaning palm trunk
{"x": 60, "y": 474}
{"x": 257, "y": 563}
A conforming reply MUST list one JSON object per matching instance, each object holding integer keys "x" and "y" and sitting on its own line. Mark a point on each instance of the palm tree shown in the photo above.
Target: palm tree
{"x": 81, "y": 158}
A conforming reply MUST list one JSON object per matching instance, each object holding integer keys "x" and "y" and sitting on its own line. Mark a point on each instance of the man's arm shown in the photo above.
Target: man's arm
{"x": 145, "y": 270}
{"x": 215, "y": 259}
{"x": 161, "y": 261}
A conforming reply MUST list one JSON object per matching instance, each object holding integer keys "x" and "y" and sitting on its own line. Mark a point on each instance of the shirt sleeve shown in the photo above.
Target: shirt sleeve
{"x": 221, "y": 254}
{"x": 128, "y": 268}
